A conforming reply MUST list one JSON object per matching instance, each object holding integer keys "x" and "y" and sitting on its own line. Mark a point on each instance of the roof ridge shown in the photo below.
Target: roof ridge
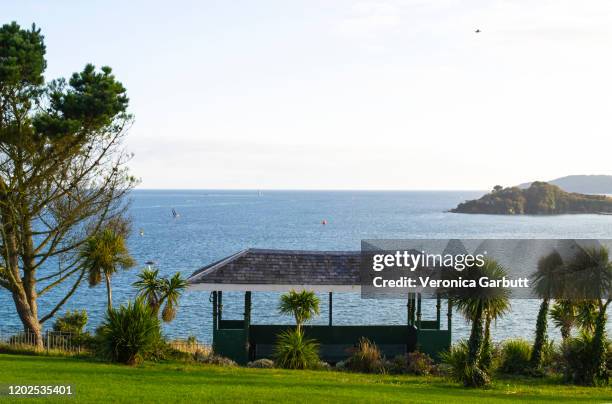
{"x": 313, "y": 252}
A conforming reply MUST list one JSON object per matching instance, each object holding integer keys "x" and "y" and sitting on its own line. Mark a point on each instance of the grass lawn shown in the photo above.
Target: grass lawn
{"x": 179, "y": 382}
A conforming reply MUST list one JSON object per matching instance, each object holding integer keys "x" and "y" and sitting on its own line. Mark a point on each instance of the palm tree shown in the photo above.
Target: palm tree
{"x": 149, "y": 288}
{"x": 546, "y": 285}
{"x": 172, "y": 289}
{"x": 586, "y": 315}
{"x": 103, "y": 254}
{"x": 302, "y": 305}
{"x": 563, "y": 314}
{"x": 591, "y": 275}
{"x": 479, "y": 305}
{"x": 159, "y": 291}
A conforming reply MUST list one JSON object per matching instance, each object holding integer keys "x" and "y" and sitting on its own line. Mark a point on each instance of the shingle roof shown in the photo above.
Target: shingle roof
{"x": 258, "y": 269}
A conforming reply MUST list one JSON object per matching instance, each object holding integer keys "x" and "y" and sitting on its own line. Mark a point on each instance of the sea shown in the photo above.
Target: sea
{"x": 212, "y": 224}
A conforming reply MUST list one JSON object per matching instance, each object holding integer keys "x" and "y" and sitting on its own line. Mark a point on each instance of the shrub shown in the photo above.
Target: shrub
{"x": 261, "y": 364}
{"x": 515, "y": 355}
{"x": 414, "y": 363}
{"x": 214, "y": 359}
{"x": 577, "y": 356}
{"x": 456, "y": 360}
{"x": 72, "y": 322}
{"x": 130, "y": 333}
{"x": 419, "y": 363}
{"x": 455, "y": 364}
{"x": 294, "y": 351}
{"x": 366, "y": 358}
{"x": 397, "y": 366}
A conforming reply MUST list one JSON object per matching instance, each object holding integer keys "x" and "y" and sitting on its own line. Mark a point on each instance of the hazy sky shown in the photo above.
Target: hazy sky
{"x": 348, "y": 94}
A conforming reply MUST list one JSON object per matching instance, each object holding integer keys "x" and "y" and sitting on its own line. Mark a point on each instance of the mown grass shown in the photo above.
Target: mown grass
{"x": 181, "y": 382}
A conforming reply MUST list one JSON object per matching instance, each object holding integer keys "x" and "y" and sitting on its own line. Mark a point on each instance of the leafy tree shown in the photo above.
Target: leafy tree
{"x": 63, "y": 171}
{"x": 302, "y": 305}
{"x": 103, "y": 255}
{"x": 546, "y": 284}
{"x": 159, "y": 291}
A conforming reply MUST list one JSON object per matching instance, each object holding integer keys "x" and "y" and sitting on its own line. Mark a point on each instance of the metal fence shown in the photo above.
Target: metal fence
{"x": 52, "y": 340}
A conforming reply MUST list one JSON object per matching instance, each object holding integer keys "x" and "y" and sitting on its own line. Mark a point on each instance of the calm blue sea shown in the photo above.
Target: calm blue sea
{"x": 214, "y": 224}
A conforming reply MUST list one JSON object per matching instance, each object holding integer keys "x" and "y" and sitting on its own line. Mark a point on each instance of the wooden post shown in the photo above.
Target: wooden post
{"x": 330, "y": 308}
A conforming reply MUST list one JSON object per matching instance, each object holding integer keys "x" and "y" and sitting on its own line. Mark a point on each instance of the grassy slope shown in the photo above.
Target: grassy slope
{"x": 172, "y": 382}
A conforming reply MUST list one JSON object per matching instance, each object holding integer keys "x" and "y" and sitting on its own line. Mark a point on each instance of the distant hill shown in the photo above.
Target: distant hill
{"x": 584, "y": 184}
{"x": 540, "y": 198}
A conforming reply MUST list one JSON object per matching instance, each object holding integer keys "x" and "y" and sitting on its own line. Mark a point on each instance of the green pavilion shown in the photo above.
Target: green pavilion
{"x": 257, "y": 270}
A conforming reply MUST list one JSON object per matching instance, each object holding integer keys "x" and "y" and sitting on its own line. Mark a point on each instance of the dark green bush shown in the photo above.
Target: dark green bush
{"x": 294, "y": 351}
{"x": 131, "y": 333}
{"x": 515, "y": 355}
{"x": 366, "y": 358}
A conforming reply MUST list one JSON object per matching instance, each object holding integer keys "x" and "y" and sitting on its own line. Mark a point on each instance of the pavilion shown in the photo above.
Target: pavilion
{"x": 259, "y": 270}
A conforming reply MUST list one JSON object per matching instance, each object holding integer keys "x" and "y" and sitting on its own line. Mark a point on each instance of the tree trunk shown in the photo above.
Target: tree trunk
{"x": 476, "y": 377}
{"x": 23, "y": 290}
{"x": 486, "y": 354}
{"x": 540, "y": 337}
{"x": 31, "y": 325}
{"x": 109, "y": 292}
{"x": 599, "y": 348}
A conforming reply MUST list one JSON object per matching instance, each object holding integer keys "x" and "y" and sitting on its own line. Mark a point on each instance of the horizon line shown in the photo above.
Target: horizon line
{"x": 310, "y": 189}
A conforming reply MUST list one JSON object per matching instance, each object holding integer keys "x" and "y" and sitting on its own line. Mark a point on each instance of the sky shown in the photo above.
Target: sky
{"x": 393, "y": 94}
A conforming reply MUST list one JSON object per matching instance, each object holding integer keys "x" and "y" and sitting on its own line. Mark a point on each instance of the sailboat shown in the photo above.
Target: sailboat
{"x": 175, "y": 213}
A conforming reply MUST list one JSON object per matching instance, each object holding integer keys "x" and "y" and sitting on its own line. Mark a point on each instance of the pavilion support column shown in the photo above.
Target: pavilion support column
{"x": 418, "y": 314}
{"x": 408, "y": 309}
{"x": 220, "y": 306}
{"x": 412, "y": 308}
{"x": 450, "y": 314}
{"x": 215, "y": 319}
{"x": 247, "y": 323}
{"x": 438, "y": 307}
{"x": 331, "y": 301}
